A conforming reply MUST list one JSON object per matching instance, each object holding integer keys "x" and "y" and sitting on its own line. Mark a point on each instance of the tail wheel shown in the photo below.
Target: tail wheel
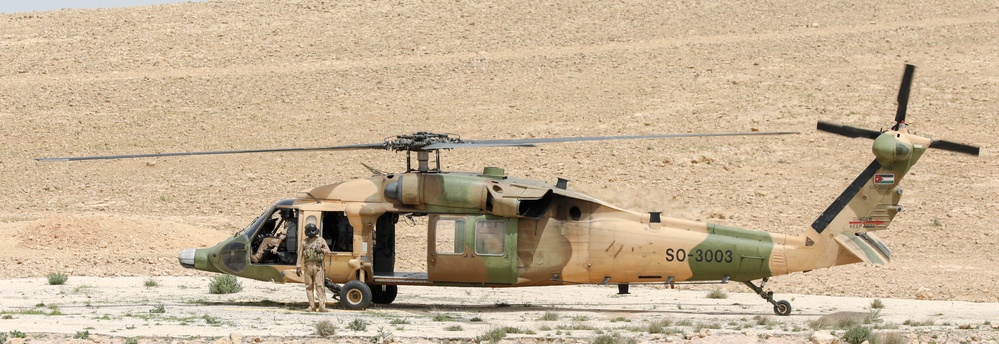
{"x": 782, "y": 308}
{"x": 355, "y": 295}
{"x": 384, "y": 294}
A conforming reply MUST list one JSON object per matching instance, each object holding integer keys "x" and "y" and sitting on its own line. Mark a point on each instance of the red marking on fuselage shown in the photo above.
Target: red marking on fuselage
{"x": 866, "y": 223}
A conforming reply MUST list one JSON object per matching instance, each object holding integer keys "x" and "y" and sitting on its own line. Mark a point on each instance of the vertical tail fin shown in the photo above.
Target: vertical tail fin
{"x": 870, "y": 202}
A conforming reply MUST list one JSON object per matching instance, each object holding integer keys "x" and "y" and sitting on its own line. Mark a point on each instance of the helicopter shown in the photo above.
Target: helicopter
{"x": 489, "y": 229}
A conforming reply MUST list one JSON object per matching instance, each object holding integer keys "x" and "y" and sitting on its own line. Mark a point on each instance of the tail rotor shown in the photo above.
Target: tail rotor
{"x": 903, "y": 103}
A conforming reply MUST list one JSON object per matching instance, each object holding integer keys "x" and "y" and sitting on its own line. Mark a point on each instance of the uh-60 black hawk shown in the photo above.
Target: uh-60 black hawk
{"x": 488, "y": 229}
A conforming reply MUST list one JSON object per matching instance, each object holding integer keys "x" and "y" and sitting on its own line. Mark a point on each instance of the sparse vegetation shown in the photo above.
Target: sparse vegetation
{"x": 889, "y": 338}
{"x": 497, "y": 334}
{"x": 839, "y": 320}
{"x": 454, "y": 328}
{"x": 857, "y": 334}
{"x": 762, "y": 320}
{"x": 132, "y": 340}
{"x": 57, "y": 278}
{"x": 659, "y": 325}
{"x": 717, "y": 294}
{"x": 475, "y": 319}
{"x": 17, "y": 334}
{"x": 382, "y": 336}
{"x": 874, "y": 316}
{"x": 325, "y": 329}
{"x": 357, "y": 324}
{"x": 82, "y": 334}
{"x": 877, "y": 304}
{"x": 151, "y": 283}
{"x": 158, "y": 309}
{"x": 549, "y": 316}
{"x": 211, "y": 320}
{"x": 927, "y": 322}
{"x": 224, "y": 284}
{"x": 442, "y": 317}
{"x": 613, "y": 339}
{"x": 399, "y": 321}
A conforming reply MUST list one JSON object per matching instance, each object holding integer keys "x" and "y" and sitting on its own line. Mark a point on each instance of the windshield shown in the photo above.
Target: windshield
{"x": 252, "y": 227}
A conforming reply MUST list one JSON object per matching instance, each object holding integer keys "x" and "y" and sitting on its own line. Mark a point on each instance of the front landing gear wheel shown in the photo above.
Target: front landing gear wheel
{"x": 782, "y": 308}
{"x": 384, "y": 294}
{"x": 355, "y": 295}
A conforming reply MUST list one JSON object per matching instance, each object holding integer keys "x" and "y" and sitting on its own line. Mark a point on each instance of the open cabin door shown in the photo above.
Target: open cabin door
{"x": 472, "y": 249}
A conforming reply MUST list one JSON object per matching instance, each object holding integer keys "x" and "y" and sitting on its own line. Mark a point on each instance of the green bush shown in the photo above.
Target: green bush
{"x": 493, "y": 336}
{"x": 325, "y": 328}
{"x": 224, "y": 284}
{"x": 857, "y": 335}
{"x": 358, "y": 325}
{"x": 57, "y": 278}
{"x": 151, "y": 283}
{"x": 82, "y": 334}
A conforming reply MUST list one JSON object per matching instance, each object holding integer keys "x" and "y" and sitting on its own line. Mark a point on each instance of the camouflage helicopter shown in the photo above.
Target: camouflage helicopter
{"x": 489, "y": 229}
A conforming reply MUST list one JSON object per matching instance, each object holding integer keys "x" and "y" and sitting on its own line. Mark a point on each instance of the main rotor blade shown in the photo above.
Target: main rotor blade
{"x": 954, "y": 147}
{"x": 903, "y": 94}
{"x": 847, "y": 131}
{"x": 155, "y": 155}
{"x": 532, "y": 142}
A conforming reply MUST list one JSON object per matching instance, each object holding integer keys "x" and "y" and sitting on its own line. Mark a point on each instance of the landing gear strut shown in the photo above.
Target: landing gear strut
{"x": 333, "y": 287}
{"x": 782, "y": 307}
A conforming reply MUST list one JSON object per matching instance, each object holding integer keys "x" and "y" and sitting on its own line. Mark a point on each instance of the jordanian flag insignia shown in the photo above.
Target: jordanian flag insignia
{"x": 884, "y": 179}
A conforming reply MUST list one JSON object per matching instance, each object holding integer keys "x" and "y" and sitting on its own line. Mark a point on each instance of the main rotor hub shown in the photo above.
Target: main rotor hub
{"x": 419, "y": 141}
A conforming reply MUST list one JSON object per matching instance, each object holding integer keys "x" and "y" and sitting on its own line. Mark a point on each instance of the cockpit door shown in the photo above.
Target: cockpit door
{"x": 473, "y": 249}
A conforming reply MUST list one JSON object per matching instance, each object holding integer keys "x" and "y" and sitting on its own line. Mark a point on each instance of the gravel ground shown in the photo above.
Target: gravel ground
{"x": 247, "y": 74}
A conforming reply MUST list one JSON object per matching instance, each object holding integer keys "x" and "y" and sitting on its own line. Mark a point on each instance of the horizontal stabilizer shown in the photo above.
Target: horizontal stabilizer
{"x": 865, "y": 247}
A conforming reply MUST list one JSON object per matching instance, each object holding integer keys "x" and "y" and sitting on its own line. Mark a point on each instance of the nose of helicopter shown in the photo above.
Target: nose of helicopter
{"x": 186, "y": 257}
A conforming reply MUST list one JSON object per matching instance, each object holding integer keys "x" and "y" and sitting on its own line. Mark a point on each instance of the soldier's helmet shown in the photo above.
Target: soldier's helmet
{"x": 311, "y": 230}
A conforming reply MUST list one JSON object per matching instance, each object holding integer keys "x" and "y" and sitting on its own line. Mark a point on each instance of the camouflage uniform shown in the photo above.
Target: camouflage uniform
{"x": 312, "y": 260}
{"x": 268, "y": 244}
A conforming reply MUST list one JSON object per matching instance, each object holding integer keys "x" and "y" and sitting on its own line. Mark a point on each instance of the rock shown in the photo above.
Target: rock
{"x": 824, "y": 337}
{"x": 924, "y": 294}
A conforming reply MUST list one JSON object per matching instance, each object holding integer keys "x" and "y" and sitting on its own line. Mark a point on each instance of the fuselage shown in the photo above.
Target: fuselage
{"x": 490, "y": 230}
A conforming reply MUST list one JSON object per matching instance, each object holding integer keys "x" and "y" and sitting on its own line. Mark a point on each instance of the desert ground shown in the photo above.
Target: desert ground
{"x": 244, "y": 74}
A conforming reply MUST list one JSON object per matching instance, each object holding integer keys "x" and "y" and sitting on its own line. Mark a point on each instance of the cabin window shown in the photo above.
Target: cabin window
{"x": 490, "y": 237}
{"x": 337, "y": 232}
{"x": 449, "y": 236}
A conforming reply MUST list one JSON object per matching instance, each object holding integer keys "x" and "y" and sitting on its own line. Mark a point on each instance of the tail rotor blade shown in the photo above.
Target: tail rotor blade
{"x": 903, "y": 94}
{"x": 847, "y": 131}
{"x": 954, "y": 147}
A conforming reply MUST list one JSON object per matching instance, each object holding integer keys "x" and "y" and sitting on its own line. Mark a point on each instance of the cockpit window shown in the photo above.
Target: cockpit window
{"x": 252, "y": 228}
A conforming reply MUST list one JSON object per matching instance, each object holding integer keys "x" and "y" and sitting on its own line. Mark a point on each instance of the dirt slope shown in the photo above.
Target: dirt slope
{"x": 257, "y": 74}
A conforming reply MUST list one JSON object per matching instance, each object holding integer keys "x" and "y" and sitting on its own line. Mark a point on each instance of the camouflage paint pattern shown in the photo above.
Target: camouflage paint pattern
{"x": 559, "y": 236}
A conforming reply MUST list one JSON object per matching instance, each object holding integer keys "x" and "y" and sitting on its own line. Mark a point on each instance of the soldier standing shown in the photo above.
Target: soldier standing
{"x": 315, "y": 249}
